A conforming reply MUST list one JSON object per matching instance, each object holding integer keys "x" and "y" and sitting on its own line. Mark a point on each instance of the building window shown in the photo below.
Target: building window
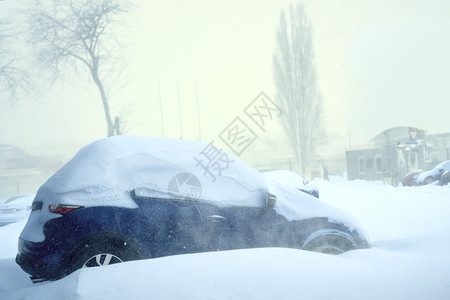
{"x": 378, "y": 167}
{"x": 362, "y": 166}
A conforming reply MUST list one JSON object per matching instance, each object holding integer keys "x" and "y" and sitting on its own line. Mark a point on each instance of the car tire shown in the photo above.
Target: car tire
{"x": 330, "y": 244}
{"x": 102, "y": 252}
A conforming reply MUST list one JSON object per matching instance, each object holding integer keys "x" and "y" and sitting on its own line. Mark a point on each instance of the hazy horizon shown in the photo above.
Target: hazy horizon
{"x": 380, "y": 64}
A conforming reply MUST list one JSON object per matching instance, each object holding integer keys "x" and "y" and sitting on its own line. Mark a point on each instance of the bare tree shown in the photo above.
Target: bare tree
{"x": 296, "y": 83}
{"x": 74, "y": 33}
{"x": 13, "y": 78}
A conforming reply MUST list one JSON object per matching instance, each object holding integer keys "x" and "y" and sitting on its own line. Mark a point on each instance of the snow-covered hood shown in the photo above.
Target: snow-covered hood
{"x": 290, "y": 178}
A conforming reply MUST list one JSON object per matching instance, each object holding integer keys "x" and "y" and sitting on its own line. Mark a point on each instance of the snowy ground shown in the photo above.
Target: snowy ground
{"x": 409, "y": 228}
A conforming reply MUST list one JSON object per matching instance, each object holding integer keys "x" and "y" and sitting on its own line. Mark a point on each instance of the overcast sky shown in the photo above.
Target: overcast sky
{"x": 380, "y": 63}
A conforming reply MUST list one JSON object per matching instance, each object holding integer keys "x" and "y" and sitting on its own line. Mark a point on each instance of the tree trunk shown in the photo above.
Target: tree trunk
{"x": 98, "y": 82}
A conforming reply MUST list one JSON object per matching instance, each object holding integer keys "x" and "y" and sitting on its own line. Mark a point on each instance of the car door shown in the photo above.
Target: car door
{"x": 239, "y": 227}
{"x": 163, "y": 226}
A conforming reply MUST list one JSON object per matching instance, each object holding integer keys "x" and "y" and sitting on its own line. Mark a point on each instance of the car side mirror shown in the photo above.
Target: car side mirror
{"x": 271, "y": 200}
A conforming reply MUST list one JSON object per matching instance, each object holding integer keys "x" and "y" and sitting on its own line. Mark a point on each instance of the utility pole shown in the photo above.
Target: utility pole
{"x": 198, "y": 113}
{"x": 179, "y": 111}
{"x": 161, "y": 109}
{"x": 349, "y": 140}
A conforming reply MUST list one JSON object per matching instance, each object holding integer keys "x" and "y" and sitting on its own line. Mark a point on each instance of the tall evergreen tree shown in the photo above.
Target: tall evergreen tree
{"x": 296, "y": 83}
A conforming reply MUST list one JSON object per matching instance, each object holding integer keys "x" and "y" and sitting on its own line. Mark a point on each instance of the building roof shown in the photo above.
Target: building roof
{"x": 399, "y": 134}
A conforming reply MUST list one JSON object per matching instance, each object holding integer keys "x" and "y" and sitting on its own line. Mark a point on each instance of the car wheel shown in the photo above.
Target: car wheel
{"x": 102, "y": 253}
{"x": 330, "y": 244}
{"x": 102, "y": 259}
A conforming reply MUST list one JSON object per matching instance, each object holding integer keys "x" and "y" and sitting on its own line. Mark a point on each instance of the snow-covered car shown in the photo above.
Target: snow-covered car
{"x": 445, "y": 178}
{"x": 426, "y": 177}
{"x": 15, "y": 208}
{"x": 408, "y": 180}
{"x": 133, "y": 197}
{"x": 294, "y": 180}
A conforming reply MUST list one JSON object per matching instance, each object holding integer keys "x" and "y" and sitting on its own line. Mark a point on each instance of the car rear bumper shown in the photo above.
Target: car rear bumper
{"x": 32, "y": 258}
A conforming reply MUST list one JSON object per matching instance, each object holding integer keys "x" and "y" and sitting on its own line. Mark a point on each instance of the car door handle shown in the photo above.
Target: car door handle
{"x": 216, "y": 218}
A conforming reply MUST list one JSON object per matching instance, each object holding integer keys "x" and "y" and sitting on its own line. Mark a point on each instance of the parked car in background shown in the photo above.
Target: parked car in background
{"x": 409, "y": 179}
{"x": 445, "y": 178}
{"x": 15, "y": 209}
{"x": 293, "y": 179}
{"x": 132, "y": 197}
{"x": 418, "y": 178}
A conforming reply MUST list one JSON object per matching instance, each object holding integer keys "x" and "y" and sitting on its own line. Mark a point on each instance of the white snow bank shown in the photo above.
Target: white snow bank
{"x": 389, "y": 212}
{"x": 267, "y": 273}
{"x": 9, "y": 236}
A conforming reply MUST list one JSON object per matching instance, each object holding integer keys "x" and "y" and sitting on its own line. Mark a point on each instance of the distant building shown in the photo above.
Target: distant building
{"x": 439, "y": 147}
{"x": 391, "y": 155}
{"x": 369, "y": 164}
{"x": 400, "y": 134}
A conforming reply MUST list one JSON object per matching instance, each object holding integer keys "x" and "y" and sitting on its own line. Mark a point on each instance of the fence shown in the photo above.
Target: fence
{"x": 11, "y": 189}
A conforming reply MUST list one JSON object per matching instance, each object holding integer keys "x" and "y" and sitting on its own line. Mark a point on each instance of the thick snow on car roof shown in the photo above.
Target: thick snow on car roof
{"x": 106, "y": 171}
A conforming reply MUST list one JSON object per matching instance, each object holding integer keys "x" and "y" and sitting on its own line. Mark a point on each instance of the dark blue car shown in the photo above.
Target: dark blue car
{"x": 130, "y": 198}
